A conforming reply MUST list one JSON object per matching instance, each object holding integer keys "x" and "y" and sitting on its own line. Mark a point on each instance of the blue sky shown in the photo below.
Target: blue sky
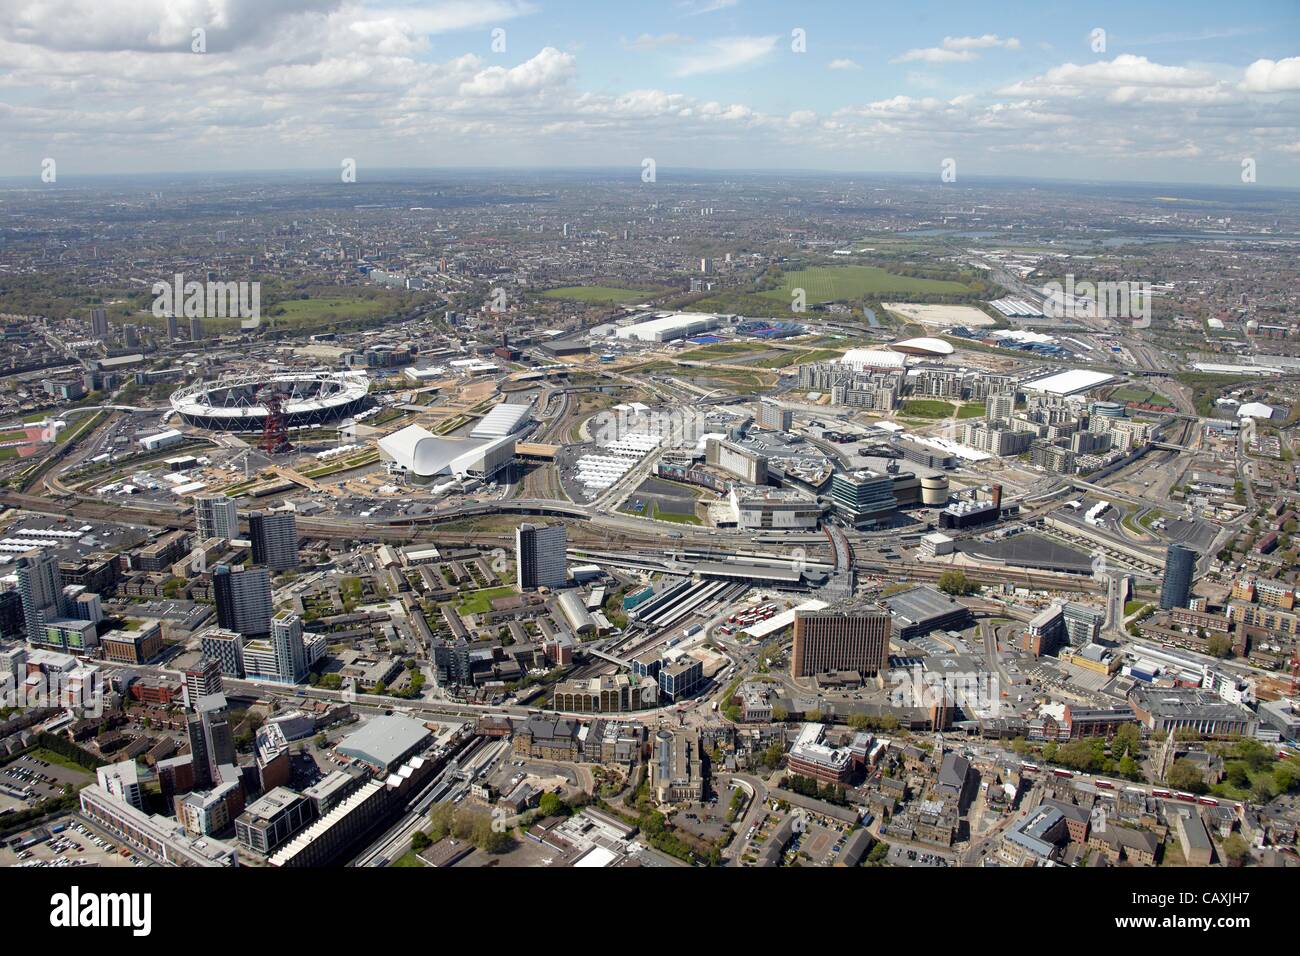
{"x": 1178, "y": 92}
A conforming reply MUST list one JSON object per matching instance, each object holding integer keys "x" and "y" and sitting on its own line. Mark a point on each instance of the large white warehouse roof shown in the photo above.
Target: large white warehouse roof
{"x": 1069, "y": 383}
{"x": 668, "y": 327}
{"x": 505, "y": 419}
{"x": 874, "y": 358}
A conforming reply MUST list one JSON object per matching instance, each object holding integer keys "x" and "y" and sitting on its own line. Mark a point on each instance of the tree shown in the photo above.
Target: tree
{"x": 1127, "y": 740}
{"x": 1284, "y": 778}
{"x": 441, "y": 818}
{"x": 1185, "y": 775}
{"x": 550, "y": 805}
{"x": 772, "y": 755}
{"x": 955, "y": 582}
{"x": 420, "y": 841}
{"x": 1128, "y": 768}
{"x": 1238, "y": 774}
{"x": 1220, "y": 645}
{"x": 486, "y": 837}
{"x": 1235, "y": 850}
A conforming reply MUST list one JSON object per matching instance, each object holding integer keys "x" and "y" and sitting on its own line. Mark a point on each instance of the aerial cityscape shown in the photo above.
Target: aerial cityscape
{"x": 502, "y": 451}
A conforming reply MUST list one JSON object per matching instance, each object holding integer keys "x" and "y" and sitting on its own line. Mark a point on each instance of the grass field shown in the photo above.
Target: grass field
{"x": 367, "y": 457}
{"x": 971, "y": 410}
{"x": 480, "y": 602}
{"x": 76, "y": 431}
{"x": 49, "y": 756}
{"x": 327, "y": 309}
{"x": 14, "y": 436}
{"x": 1140, "y": 394}
{"x": 598, "y": 294}
{"x": 675, "y": 518}
{"x": 741, "y": 382}
{"x": 736, "y": 351}
{"x": 658, "y": 515}
{"x": 837, "y": 283}
{"x": 799, "y": 358}
{"x": 928, "y": 408}
{"x": 722, "y": 350}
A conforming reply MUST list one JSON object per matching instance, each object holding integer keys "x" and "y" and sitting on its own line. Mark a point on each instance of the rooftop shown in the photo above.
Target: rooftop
{"x": 383, "y": 741}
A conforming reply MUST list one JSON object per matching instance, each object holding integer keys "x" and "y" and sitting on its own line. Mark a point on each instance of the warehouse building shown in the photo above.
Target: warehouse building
{"x": 385, "y": 742}
{"x": 668, "y": 328}
{"x": 922, "y": 609}
{"x": 505, "y": 419}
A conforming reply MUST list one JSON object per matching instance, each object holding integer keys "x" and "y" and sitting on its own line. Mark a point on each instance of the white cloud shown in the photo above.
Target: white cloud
{"x": 549, "y": 68}
{"x": 1273, "y": 76}
{"x": 935, "y": 54}
{"x": 1126, "y": 79}
{"x": 648, "y": 41}
{"x": 728, "y": 53}
{"x": 843, "y": 64}
{"x": 984, "y": 42}
{"x": 695, "y": 8}
{"x": 957, "y": 49}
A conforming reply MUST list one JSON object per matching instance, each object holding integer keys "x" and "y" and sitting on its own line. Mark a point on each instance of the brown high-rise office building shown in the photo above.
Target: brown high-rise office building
{"x": 849, "y": 639}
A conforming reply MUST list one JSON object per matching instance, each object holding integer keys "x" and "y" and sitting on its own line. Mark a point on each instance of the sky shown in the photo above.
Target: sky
{"x": 1152, "y": 92}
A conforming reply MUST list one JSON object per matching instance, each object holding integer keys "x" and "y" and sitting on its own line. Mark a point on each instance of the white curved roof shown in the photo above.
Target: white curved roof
{"x": 339, "y": 388}
{"x": 420, "y": 451}
{"x": 874, "y": 358}
{"x": 926, "y": 344}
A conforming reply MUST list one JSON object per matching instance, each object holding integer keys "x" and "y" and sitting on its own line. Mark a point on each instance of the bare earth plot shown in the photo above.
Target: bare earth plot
{"x": 940, "y": 316}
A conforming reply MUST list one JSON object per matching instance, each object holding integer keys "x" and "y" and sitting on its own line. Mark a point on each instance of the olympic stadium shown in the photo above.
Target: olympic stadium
{"x": 239, "y": 403}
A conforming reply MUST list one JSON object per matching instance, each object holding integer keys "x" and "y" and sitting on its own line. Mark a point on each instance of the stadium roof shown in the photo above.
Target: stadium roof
{"x": 323, "y": 390}
{"x": 874, "y": 358}
{"x": 925, "y": 346}
{"x": 1069, "y": 383}
{"x": 505, "y": 419}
